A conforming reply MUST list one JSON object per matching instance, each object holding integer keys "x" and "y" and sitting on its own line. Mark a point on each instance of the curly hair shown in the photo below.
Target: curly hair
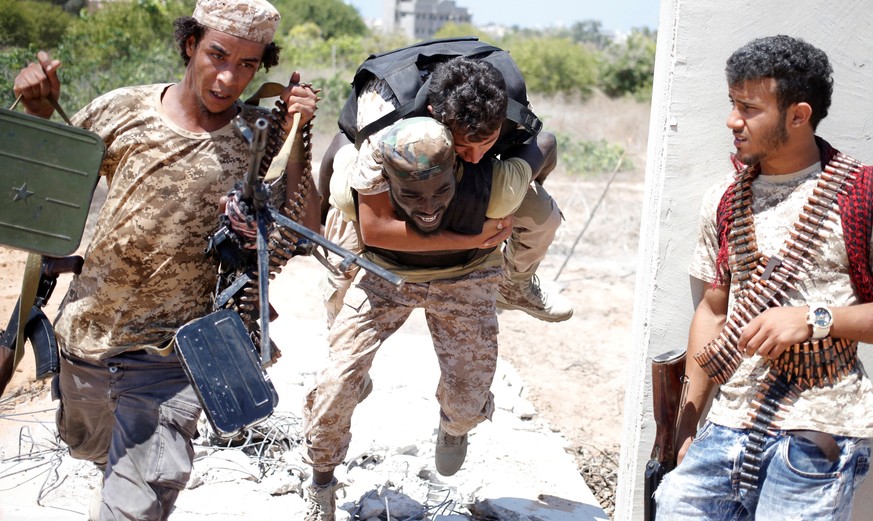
{"x": 802, "y": 72}
{"x": 468, "y": 96}
{"x": 187, "y": 26}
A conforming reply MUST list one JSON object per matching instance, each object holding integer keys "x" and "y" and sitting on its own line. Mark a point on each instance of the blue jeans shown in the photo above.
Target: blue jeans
{"x": 796, "y": 481}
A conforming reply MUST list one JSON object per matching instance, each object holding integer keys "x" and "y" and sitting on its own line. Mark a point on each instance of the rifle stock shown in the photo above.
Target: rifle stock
{"x": 38, "y": 328}
{"x": 668, "y": 375}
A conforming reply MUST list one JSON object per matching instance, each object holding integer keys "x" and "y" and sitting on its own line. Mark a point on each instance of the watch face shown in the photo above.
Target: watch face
{"x": 822, "y": 317}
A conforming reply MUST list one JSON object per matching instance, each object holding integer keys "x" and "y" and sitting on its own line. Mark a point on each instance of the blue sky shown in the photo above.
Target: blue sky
{"x": 614, "y": 15}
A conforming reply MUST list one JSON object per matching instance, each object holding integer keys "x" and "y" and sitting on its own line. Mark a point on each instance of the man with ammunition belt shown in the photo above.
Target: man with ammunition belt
{"x": 171, "y": 154}
{"x": 784, "y": 247}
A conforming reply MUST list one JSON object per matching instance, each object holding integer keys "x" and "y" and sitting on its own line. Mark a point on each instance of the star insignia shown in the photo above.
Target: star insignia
{"x": 21, "y": 193}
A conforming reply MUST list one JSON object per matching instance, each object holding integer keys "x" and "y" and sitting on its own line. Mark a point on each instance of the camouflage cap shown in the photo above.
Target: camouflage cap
{"x": 416, "y": 149}
{"x": 254, "y": 20}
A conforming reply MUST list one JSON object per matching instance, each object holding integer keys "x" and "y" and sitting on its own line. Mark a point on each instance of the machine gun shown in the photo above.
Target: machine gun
{"x": 217, "y": 351}
{"x": 255, "y": 196}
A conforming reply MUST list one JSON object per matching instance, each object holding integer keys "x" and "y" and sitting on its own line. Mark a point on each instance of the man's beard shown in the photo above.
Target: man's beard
{"x": 774, "y": 139}
{"x": 408, "y": 218}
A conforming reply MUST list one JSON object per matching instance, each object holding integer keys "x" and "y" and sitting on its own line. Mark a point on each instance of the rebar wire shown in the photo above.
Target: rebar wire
{"x": 266, "y": 442}
{"x": 30, "y": 449}
{"x": 592, "y": 214}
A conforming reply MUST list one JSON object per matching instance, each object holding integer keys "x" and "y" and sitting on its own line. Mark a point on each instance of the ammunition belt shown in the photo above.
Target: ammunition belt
{"x": 763, "y": 282}
{"x": 283, "y": 244}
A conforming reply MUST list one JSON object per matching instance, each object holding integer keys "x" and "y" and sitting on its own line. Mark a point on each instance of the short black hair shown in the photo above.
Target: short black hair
{"x": 468, "y": 96}
{"x": 802, "y": 71}
{"x": 187, "y": 26}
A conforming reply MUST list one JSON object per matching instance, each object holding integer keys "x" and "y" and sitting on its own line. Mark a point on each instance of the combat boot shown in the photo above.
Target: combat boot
{"x": 322, "y": 501}
{"x": 529, "y": 296}
{"x": 451, "y": 451}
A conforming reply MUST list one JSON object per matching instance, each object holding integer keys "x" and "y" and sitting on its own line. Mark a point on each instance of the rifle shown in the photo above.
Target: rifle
{"x": 668, "y": 376}
{"x": 38, "y": 328}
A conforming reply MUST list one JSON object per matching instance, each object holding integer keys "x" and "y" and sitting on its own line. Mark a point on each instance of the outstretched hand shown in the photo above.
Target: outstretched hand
{"x": 37, "y": 83}
{"x": 299, "y": 98}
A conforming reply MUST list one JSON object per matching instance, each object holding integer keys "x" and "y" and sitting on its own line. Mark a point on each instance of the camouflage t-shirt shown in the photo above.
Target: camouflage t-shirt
{"x": 846, "y": 408}
{"x": 146, "y": 273}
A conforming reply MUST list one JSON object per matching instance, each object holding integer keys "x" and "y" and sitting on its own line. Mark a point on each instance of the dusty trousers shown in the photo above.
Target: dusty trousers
{"x": 134, "y": 416}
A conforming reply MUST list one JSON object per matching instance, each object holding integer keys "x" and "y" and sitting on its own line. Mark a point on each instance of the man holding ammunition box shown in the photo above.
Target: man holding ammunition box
{"x": 784, "y": 248}
{"x": 171, "y": 153}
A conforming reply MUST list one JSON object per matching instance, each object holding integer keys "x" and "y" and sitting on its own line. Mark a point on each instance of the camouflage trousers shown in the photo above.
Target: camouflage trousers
{"x": 462, "y": 319}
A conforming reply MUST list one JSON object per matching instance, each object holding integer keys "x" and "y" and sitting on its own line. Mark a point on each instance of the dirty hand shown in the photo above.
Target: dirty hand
{"x": 242, "y": 224}
{"x": 36, "y": 83}
{"x": 773, "y": 331}
{"x": 299, "y": 98}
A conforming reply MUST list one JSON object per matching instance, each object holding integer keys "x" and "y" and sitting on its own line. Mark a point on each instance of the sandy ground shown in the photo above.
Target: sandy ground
{"x": 569, "y": 376}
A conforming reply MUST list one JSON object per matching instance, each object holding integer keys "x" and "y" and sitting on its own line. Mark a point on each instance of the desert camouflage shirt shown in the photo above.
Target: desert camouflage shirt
{"x": 145, "y": 271}
{"x": 845, "y": 409}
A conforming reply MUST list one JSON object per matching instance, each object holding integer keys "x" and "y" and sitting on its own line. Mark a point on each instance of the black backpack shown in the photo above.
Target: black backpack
{"x": 407, "y": 70}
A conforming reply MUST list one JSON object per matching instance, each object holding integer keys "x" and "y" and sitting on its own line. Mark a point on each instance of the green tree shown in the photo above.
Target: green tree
{"x": 553, "y": 64}
{"x": 589, "y": 31}
{"x": 39, "y": 23}
{"x": 123, "y": 43}
{"x": 628, "y": 68}
{"x": 453, "y": 30}
{"x": 333, "y": 17}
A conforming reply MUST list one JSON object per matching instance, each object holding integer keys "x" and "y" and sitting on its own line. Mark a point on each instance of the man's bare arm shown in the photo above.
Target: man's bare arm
{"x": 708, "y": 321}
{"x": 381, "y": 228}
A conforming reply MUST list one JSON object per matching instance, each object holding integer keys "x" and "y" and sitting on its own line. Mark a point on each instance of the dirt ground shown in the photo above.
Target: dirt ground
{"x": 574, "y": 372}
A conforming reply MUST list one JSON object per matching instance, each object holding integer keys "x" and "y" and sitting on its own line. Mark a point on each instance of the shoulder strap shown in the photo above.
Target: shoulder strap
{"x": 29, "y": 286}
{"x": 414, "y": 107}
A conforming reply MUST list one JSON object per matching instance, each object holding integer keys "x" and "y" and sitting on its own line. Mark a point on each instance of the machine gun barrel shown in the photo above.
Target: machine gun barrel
{"x": 348, "y": 257}
{"x": 257, "y": 139}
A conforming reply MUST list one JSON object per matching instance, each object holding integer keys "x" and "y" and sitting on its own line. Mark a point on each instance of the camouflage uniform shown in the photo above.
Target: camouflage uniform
{"x": 462, "y": 319}
{"x": 145, "y": 275}
{"x": 459, "y": 303}
{"x": 534, "y": 227}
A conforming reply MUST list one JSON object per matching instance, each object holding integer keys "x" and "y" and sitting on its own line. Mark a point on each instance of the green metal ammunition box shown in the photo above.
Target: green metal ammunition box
{"x": 48, "y": 172}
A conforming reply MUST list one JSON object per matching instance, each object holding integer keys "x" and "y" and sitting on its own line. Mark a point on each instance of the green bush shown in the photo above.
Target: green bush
{"x": 453, "y": 30}
{"x": 335, "y": 91}
{"x": 590, "y": 157}
{"x": 334, "y": 17}
{"x": 41, "y": 24}
{"x": 123, "y": 43}
{"x": 628, "y": 68}
{"x": 553, "y": 65}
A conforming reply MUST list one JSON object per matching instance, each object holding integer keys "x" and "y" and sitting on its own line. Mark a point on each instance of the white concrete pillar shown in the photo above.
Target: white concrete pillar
{"x": 689, "y": 146}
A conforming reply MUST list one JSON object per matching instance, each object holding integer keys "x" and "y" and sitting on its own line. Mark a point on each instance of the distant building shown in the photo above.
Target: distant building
{"x": 420, "y": 19}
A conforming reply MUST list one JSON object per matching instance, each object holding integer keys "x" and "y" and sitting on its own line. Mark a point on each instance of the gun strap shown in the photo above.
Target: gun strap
{"x": 29, "y": 286}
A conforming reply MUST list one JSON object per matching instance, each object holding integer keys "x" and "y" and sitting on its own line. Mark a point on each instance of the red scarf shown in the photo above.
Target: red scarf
{"x": 856, "y": 213}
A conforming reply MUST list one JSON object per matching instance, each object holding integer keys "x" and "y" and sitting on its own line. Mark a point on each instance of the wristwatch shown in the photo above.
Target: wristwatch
{"x": 821, "y": 319}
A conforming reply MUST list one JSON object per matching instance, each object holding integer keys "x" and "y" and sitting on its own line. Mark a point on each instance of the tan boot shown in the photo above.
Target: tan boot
{"x": 529, "y": 297}
{"x": 322, "y": 501}
{"x": 451, "y": 451}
